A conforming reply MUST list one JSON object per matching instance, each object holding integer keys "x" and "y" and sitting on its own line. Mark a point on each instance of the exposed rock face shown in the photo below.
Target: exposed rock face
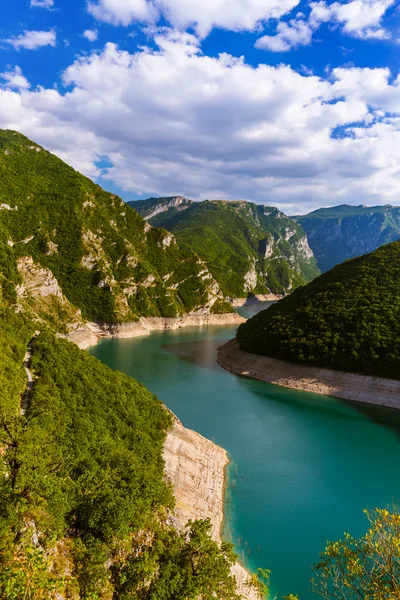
{"x": 40, "y": 294}
{"x": 266, "y": 248}
{"x": 160, "y": 205}
{"x": 358, "y": 388}
{"x": 250, "y": 280}
{"x": 195, "y": 467}
{"x": 304, "y": 248}
{"x": 37, "y": 281}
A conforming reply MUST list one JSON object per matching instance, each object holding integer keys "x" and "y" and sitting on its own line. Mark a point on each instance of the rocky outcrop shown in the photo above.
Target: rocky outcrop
{"x": 254, "y": 299}
{"x": 88, "y": 335}
{"x": 358, "y": 388}
{"x": 196, "y": 467}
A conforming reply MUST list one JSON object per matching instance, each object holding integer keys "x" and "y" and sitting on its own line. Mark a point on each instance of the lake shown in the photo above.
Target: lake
{"x": 303, "y": 466}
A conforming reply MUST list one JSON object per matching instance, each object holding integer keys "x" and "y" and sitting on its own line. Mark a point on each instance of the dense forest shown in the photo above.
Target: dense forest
{"x": 247, "y": 247}
{"x": 84, "y": 503}
{"x": 108, "y": 262}
{"x": 347, "y": 319}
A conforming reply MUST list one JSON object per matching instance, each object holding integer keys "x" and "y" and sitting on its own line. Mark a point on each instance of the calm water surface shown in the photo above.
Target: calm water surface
{"x": 303, "y": 466}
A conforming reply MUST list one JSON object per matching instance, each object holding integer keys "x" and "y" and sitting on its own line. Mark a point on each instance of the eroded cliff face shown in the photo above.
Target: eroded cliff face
{"x": 196, "y": 467}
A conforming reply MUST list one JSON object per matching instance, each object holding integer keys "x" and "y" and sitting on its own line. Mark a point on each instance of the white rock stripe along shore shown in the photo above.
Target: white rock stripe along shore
{"x": 349, "y": 386}
{"x": 196, "y": 467}
{"x": 89, "y": 334}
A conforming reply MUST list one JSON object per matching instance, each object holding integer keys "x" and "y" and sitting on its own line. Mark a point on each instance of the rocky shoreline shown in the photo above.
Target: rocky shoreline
{"x": 88, "y": 335}
{"x": 239, "y": 302}
{"x": 348, "y": 386}
{"x": 195, "y": 467}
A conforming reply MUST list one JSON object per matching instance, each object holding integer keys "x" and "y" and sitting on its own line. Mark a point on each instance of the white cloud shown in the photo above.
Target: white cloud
{"x": 14, "y": 79}
{"x": 357, "y": 18}
{"x": 203, "y": 15}
{"x": 91, "y": 34}
{"x": 42, "y": 3}
{"x": 297, "y": 32}
{"x": 176, "y": 121}
{"x": 31, "y": 40}
{"x": 122, "y": 12}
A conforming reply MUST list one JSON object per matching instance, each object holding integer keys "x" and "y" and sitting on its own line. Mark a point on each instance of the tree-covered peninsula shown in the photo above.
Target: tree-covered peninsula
{"x": 348, "y": 319}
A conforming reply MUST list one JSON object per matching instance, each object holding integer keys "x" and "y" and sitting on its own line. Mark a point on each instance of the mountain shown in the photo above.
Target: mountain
{"x": 86, "y": 508}
{"x": 342, "y": 232}
{"x": 72, "y": 251}
{"x": 248, "y": 248}
{"x": 346, "y": 319}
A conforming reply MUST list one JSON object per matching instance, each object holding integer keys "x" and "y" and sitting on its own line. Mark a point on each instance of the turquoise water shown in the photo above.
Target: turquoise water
{"x": 303, "y": 466}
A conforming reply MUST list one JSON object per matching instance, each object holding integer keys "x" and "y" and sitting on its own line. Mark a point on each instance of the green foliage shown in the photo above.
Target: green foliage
{"x": 171, "y": 566}
{"x": 347, "y": 319}
{"x": 230, "y": 236}
{"x": 97, "y": 247}
{"x": 222, "y": 307}
{"x": 368, "y": 567}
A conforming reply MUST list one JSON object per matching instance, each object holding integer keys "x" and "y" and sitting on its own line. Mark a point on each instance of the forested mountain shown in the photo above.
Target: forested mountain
{"x": 342, "y": 232}
{"x": 247, "y": 247}
{"x": 73, "y": 251}
{"x": 85, "y": 506}
{"x": 346, "y": 319}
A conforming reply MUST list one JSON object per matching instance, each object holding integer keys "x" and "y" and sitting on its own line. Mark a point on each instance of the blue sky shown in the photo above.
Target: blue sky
{"x": 295, "y": 104}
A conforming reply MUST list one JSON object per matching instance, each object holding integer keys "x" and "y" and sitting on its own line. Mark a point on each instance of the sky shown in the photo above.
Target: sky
{"x": 289, "y": 103}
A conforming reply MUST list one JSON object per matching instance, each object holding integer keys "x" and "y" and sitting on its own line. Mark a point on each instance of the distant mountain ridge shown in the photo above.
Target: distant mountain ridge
{"x": 342, "y": 232}
{"x": 248, "y": 248}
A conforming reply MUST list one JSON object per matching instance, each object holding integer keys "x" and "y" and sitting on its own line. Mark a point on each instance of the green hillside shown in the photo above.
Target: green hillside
{"x": 347, "y": 319}
{"x": 58, "y": 227}
{"x": 341, "y": 232}
{"x": 84, "y": 502}
{"x": 247, "y": 247}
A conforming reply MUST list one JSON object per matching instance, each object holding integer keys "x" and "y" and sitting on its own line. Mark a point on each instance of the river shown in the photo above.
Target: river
{"x": 303, "y": 466}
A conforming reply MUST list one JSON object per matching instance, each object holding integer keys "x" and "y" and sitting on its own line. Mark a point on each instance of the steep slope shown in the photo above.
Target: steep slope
{"x": 72, "y": 251}
{"x": 85, "y": 506}
{"x": 248, "y": 248}
{"x": 342, "y": 232}
{"x": 347, "y": 319}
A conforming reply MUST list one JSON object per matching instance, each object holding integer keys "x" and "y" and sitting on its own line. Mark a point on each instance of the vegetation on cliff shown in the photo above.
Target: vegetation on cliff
{"x": 342, "y": 232}
{"x": 347, "y": 319}
{"x": 84, "y": 502}
{"x": 106, "y": 260}
{"x": 247, "y": 247}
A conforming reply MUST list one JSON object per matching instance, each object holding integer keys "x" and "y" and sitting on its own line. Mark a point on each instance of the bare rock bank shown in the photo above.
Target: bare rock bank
{"x": 349, "y": 386}
{"x": 238, "y": 302}
{"x": 196, "y": 467}
{"x": 88, "y": 334}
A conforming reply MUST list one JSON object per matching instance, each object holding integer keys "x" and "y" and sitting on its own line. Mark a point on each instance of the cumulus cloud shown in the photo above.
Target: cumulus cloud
{"x": 91, "y": 34}
{"x": 203, "y": 15}
{"x": 42, "y": 3}
{"x": 357, "y": 18}
{"x": 14, "y": 79}
{"x": 172, "y": 120}
{"x": 31, "y": 40}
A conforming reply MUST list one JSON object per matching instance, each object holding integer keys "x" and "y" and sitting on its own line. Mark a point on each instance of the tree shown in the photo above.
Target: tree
{"x": 363, "y": 569}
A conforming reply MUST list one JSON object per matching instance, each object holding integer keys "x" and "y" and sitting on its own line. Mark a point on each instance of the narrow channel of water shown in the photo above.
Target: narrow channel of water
{"x": 303, "y": 466}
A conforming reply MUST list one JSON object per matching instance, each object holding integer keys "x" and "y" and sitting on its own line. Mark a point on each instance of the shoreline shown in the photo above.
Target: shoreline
{"x": 90, "y": 333}
{"x": 327, "y": 382}
{"x": 196, "y": 468}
